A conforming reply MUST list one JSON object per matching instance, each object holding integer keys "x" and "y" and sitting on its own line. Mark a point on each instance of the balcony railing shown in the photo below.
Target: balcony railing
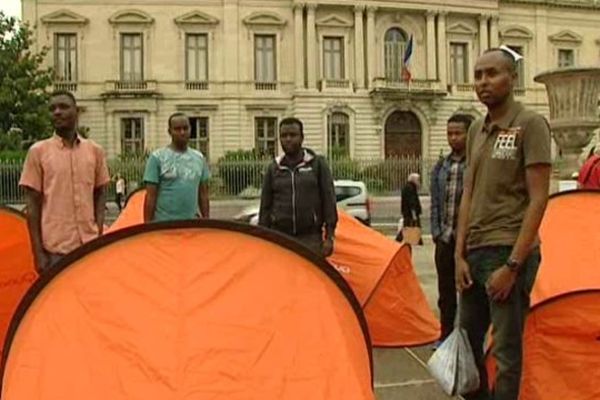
{"x": 416, "y": 84}
{"x": 267, "y": 86}
{"x": 465, "y": 87}
{"x": 62, "y": 85}
{"x": 196, "y": 85}
{"x": 336, "y": 84}
{"x": 519, "y": 91}
{"x": 461, "y": 89}
{"x": 125, "y": 86}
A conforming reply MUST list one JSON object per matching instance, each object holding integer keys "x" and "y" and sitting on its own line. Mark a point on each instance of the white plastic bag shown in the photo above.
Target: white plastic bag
{"x": 453, "y": 365}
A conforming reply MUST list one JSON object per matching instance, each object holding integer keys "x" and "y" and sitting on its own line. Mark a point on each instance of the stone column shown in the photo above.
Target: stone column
{"x": 441, "y": 50}
{"x": 494, "y": 40}
{"x": 483, "y": 33}
{"x": 371, "y": 50}
{"x": 431, "y": 59}
{"x": 359, "y": 48}
{"x": 311, "y": 46}
{"x": 299, "y": 45}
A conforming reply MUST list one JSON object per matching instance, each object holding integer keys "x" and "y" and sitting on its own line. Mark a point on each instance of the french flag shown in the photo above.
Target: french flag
{"x": 408, "y": 52}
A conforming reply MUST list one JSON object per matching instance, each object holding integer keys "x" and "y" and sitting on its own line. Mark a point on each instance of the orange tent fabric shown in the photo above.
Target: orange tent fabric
{"x": 561, "y": 353}
{"x": 379, "y": 271}
{"x": 194, "y": 310}
{"x": 382, "y": 276}
{"x": 17, "y": 271}
{"x": 132, "y": 213}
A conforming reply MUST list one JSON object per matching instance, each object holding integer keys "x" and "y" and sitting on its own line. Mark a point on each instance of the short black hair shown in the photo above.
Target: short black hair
{"x": 70, "y": 95}
{"x": 510, "y": 59}
{"x": 292, "y": 121}
{"x": 464, "y": 119}
{"x": 175, "y": 115}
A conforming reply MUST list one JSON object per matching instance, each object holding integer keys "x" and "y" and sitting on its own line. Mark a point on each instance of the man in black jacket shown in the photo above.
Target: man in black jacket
{"x": 298, "y": 197}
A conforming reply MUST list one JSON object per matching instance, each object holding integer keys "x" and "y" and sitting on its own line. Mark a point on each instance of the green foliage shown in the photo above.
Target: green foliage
{"x": 23, "y": 87}
{"x": 12, "y": 156}
{"x": 131, "y": 168}
{"x": 240, "y": 169}
{"x": 388, "y": 175}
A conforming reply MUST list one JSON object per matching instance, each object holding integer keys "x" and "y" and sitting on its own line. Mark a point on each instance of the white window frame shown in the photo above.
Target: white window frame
{"x": 207, "y": 57}
{"x": 466, "y": 62}
{"x": 74, "y": 71}
{"x": 342, "y": 61}
{"x": 121, "y": 120}
{"x": 348, "y": 53}
{"x": 142, "y": 73}
{"x": 276, "y": 133}
{"x": 459, "y": 31}
{"x": 275, "y": 38}
{"x": 197, "y": 141}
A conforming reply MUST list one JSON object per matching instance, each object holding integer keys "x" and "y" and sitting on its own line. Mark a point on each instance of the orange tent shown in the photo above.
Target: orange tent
{"x": 194, "y": 310}
{"x": 561, "y": 353}
{"x": 17, "y": 272}
{"x": 379, "y": 271}
{"x": 382, "y": 276}
{"x": 132, "y": 213}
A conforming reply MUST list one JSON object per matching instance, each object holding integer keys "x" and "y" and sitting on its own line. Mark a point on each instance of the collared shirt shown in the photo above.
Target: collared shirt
{"x": 66, "y": 177}
{"x": 454, "y": 184}
{"x": 498, "y": 155}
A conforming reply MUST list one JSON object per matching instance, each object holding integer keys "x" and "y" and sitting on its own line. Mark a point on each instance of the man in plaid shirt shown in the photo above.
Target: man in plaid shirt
{"x": 446, "y": 192}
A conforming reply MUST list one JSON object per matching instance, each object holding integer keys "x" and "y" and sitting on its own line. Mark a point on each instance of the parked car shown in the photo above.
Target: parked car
{"x": 351, "y": 196}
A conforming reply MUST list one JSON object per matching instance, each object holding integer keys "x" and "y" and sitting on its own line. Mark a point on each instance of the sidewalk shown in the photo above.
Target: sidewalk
{"x": 402, "y": 373}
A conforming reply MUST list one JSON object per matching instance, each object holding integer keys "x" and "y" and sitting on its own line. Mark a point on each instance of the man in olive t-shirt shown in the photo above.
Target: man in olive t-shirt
{"x": 497, "y": 246}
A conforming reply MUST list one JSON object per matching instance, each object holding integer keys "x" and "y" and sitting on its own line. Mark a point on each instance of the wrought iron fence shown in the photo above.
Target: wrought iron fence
{"x": 243, "y": 178}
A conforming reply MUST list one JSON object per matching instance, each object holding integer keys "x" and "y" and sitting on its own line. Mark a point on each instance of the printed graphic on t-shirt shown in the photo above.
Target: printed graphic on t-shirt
{"x": 182, "y": 166}
{"x": 507, "y": 144}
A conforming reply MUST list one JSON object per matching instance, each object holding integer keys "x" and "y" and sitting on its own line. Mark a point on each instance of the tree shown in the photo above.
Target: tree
{"x": 23, "y": 87}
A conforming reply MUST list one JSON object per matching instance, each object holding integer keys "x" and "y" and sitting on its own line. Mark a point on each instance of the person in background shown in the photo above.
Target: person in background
{"x": 410, "y": 204}
{"x": 298, "y": 197}
{"x": 64, "y": 178}
{"x": 446, "y": 187}
{"x": 119, "y": 191}
{"x": 589, "y": 174}
{"x": 176, "y": 178}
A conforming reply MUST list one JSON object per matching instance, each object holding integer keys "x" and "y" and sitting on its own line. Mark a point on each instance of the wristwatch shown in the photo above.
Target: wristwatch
{"x": 513, "y": 265}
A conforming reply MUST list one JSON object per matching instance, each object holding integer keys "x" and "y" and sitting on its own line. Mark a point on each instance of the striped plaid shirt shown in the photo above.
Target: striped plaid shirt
{"x": 454, "y": 184}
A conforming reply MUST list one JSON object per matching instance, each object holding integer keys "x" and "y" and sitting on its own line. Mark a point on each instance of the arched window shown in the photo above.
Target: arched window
{"x": 338, "y": 134}
{"x": 395, "y": 43}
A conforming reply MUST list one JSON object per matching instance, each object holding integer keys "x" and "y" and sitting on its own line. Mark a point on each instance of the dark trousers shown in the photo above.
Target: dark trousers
{"x": 53, "y": 258}
{"x": 444, "y": 264}
{"x": 119, "y": 200}
{"x": 507, "y": 318}
{"x": 313, "y": 241}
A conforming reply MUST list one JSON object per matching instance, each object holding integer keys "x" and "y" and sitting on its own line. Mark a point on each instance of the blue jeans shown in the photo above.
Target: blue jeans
{"x": 507, "y": 318}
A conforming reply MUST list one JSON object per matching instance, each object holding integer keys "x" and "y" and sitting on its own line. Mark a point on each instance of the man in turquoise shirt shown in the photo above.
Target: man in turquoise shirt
{"x": 176, "y": 178}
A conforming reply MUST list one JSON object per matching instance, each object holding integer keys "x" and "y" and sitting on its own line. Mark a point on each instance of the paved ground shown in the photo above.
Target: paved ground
{"x": 401, "y": 373}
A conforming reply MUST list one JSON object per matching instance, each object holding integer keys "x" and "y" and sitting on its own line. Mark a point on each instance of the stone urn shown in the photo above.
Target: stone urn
{"x": 573, "y": 94}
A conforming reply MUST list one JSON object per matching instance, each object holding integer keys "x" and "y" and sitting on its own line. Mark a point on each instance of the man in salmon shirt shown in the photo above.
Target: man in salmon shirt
{"x": 64, "y": 178}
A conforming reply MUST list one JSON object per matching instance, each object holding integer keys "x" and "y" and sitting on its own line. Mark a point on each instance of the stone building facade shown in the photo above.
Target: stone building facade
{"x": 238, "y": 66}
